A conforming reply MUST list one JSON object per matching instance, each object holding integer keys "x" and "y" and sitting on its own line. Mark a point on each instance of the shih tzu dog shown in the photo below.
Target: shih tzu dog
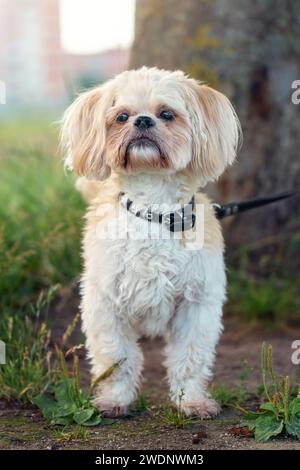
{"x": 150, "y": 138}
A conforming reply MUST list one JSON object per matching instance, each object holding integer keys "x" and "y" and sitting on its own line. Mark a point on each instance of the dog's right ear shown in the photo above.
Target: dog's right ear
{"x": 83, "y": 133}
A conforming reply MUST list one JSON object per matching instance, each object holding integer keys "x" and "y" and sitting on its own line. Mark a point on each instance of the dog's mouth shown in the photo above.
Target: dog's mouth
{"x": 141, "y": 146}
{"x": 142, "y": 143}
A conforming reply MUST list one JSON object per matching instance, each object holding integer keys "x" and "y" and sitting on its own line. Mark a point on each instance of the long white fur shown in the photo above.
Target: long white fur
{"x": 149, "y": 287}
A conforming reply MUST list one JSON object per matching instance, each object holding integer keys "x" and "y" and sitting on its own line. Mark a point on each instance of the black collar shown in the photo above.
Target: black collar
{"x": 185, "y": 218}
{"x": 176, "y": 221}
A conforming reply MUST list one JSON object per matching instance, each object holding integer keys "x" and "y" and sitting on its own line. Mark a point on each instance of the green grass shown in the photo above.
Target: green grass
{"x": 40, "y": 221}
{"x": 175, "y": 415}
{"x": 142, "y": 403}
{"x": 268, "y": 300}
{"x": 40, "y": 229}
{"x": 78, "y": 433}
{"x": 227, "y": 395}
{"x": 27, "y": 371}
{"x": 263, "y": 280}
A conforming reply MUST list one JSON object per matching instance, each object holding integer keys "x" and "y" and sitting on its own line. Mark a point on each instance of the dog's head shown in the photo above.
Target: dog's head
{"x": 150, "y": 120}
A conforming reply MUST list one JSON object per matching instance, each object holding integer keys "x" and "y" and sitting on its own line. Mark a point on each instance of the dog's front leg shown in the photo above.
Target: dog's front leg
{"x": 190, "y": 355}
{"x": 110, "y": 341}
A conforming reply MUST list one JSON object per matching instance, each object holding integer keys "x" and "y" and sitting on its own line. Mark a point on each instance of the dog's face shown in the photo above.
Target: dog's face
{"x": 150, "y": 120}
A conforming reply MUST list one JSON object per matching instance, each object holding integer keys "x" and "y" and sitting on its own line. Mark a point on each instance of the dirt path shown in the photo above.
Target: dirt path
{"x": 25, "y": 428}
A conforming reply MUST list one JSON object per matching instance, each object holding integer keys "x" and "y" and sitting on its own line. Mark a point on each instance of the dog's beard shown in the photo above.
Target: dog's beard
{"x": 144, "y": 152}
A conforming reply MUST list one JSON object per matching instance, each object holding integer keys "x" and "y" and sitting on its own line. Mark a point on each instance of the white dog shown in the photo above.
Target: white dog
{"x": 155, "y": 137}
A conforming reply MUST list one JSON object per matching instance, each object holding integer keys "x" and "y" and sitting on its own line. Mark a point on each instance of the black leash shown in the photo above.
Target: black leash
{"x": 184, "y": 218}
{"x": 233, "y": 208}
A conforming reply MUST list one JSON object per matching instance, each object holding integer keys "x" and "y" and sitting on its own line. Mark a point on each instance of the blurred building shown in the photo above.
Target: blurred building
{"x": 30, "y": 56}
{"x": 84, "y": 70}
{"x": 35, "y": 69}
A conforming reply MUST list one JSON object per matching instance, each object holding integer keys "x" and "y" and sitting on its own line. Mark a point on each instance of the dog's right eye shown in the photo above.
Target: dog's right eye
{"x": 122, "y": 117}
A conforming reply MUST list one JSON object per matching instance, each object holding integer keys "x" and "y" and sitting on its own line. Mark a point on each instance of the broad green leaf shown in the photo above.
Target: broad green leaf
{"x": 43, "y": 402}
{"x": 251, "y": 424}
{"x": 250, "y": 415}
{"x": 294, "y": 407}
{"x": 63, "y": 420}
{"x": 267, "y": 426}
{"x": 269, "y": 407}
{"x": 64, "y": 391}
{"x": 46, "y": 405}
{"x": 84, "y": 397}
{"x": 64, "y": 409}
{"x": 94, "y": 420}
{"x": 293, "y": 426}
{"x": 80, "y": 417}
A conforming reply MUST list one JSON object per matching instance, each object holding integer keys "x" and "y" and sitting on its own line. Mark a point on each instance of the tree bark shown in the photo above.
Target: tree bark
{"x": 249, "y": 51}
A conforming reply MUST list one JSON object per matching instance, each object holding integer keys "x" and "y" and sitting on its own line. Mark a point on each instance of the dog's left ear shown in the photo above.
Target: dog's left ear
{"x": 216, "y": 131}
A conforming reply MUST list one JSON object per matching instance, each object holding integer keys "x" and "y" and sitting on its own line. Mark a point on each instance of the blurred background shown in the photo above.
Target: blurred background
{"x": 49, "y": 51}
{"x": 52, "y": 49}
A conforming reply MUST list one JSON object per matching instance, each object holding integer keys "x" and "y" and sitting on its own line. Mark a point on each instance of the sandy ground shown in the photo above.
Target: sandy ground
{"x": 23, "y": 427}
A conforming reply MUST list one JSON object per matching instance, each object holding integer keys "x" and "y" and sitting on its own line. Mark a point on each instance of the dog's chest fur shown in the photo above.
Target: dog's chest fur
{"x": 159, "y": 276}
{"x": 144, "y": 280}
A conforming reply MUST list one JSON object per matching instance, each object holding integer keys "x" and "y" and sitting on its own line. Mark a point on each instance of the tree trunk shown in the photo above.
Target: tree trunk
{"x": 250, "y": 51}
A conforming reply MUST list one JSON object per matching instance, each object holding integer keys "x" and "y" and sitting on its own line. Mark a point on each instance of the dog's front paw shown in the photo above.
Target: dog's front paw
{"x": 114, "y": 397}
{"x": 110, "y": 409}
{"x": 205, "y": 408}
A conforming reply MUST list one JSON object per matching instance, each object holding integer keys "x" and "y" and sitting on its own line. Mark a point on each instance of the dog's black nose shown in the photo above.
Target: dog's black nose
{"x": 144, "y": 122}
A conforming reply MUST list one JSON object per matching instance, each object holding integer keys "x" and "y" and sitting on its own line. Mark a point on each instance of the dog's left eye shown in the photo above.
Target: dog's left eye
{"x": 122, "y": 117}
{"x": 167, "y": 115}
